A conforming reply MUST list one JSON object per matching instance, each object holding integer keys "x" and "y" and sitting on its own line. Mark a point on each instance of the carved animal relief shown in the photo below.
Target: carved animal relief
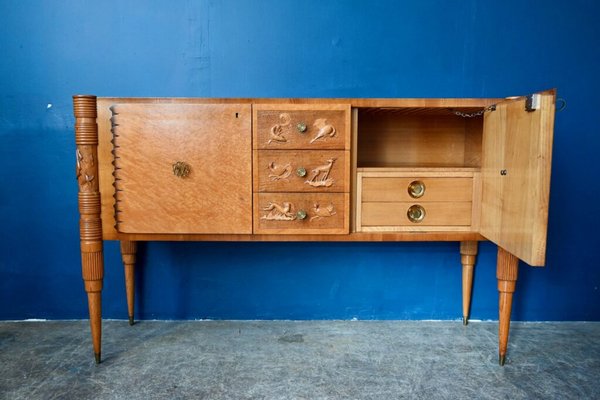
{"x": 319, "y": 176}
{"x": 320, "y": 212}
{"x": 85, "y": 169}
{"x": 325, "y": 130}
{"x": 279, "y": 172}
{"x": 276, "y": 134}
{"x": 276, "y": 212}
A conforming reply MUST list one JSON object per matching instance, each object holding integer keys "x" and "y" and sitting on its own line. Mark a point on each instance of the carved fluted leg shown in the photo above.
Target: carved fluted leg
{"x": 507, "y": 271}
{"x": 128, "y": 251}
{"x": 90, "y": 224}
{"x": 468, "y": 255}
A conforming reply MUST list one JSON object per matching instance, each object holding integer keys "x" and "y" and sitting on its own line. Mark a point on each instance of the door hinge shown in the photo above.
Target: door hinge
{"x": 532, "y": 102}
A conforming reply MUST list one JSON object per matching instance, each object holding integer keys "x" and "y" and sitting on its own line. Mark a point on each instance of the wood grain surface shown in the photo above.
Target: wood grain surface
{"x": 272, "y": 167}
{"x": 308, "y": 202}
{"x": 213, "y": 139}
{"x": 517, "y": 156}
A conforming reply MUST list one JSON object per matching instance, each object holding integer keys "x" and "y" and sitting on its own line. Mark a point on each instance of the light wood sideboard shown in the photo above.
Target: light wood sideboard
{"x": 190, "y": 169}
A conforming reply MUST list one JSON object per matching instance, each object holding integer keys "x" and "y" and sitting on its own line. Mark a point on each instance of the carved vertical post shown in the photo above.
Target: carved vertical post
{"x": 90, "y": 224}
{"x": 128, "y": 252}
{"x": 468, "y": 255}
{"x": 507, "y": 271}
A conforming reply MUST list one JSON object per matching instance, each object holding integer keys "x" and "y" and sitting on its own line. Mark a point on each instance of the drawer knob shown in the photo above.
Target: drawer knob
{"x": 415, "y": 213}
{"x": 301, "y": 127}
{"x": 416, "y": 189}
{"x": 301, "y": 172}
{"x": 301, "y": 214}
{"x": 181, "y": 169}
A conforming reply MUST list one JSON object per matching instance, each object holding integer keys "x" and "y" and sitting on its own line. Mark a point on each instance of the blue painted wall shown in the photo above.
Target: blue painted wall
{"x": 50, "y": 50}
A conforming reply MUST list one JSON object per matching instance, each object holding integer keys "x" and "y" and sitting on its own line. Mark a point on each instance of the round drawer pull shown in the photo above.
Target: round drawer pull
{"x": 181, "y": 169}
{"x": 415, "y": 213}
{"x": 301, "y": 126}
{"x": 301, "y": 172}
{"x": 301, "y": 214}
{"x": 416, "y": 189}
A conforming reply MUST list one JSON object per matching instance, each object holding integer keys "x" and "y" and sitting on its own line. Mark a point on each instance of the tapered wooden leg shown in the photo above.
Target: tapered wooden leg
{"x": 128, "y": 252}
{"x": 90, "y": 223}
{"x": 468, "y": 256}
{"x": 507, "y": 271}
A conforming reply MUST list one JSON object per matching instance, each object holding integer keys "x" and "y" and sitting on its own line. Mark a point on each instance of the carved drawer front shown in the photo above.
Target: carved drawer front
{"x": 302, "y": 126}
{"x": 376, "y": 189}
{"x": 386, "y": 214}
{"x": 302, "y": 171}
{"x": 298, "y": 213}
{"x": 182, "y": 168}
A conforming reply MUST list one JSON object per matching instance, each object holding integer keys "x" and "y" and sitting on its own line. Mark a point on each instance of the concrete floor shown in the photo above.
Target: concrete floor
{"x": 299, "y": 360}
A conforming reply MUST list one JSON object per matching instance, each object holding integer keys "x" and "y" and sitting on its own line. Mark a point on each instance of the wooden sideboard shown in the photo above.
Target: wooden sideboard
{"x": 182, "y": 169}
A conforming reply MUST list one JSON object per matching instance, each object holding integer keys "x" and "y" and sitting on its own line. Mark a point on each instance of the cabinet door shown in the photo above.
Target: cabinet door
{"x": 517, "y": 155}
{"x": 182, "y": 168}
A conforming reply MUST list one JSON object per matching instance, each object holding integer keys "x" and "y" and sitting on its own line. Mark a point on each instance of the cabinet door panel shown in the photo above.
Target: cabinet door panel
{"x": 183, "y": 168}
{"x": 517, "y": 155}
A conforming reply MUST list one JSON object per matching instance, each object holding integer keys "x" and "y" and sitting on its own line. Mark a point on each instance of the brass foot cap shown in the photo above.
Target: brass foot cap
{"x": 465, "y": 321}
{"x": 502, "y": 360}
{"x": 98, "y": 358}
{"x": 130, "y": 320}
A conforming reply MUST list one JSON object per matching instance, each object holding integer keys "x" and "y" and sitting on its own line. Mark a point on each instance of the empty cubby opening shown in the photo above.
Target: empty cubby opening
{"x": 418, "y": 138}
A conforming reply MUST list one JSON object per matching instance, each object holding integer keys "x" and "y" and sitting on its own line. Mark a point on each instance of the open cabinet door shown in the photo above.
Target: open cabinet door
{"x": 517, "y": 155}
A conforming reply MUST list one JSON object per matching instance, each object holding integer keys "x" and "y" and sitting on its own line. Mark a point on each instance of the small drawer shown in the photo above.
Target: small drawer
{"x": 440, "y": 213}
{"x": 301, "y": 213}
{"x": 302, "y": 171}
{"x": 305, "y": 126}
{"x": 422, "y": 189}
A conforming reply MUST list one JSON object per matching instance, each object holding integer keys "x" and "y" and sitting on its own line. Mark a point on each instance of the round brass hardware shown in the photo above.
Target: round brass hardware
{"x": 416, "y": 213}
{"x": 301, "y": 214}
{"x": 301, "y": 127}
{"x": 301, "y": 171}
{"x": 416, "y": 189}
{"x": 181, "y": 169}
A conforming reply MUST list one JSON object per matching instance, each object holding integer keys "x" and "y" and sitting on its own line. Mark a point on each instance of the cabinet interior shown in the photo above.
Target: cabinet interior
{"x": 418, "y": 137}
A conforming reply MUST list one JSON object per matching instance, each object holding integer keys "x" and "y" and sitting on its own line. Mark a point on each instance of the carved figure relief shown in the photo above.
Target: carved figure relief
{"x": 278, "y": 212}
{"x": 276, "y": 134}
{"x": 279, "y": 172}
{"x": 85, "y": 169}
{"x": 325, "y": 130}
{"x": 320, "y": 175}
{"x": 319, "y": 212}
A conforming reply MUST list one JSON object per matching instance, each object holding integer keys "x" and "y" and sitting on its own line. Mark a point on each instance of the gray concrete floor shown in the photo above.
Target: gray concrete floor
{"x": 299, "y": 360}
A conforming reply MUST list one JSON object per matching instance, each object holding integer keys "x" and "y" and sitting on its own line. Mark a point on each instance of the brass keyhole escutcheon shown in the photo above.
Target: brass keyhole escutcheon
{"x": 416, "y": 189}
{"x": 181, "y": 169}
{"x": 301, "y": 172}
{"x": 301, "y": 214}
{"x": 301, "y": 126}
{"x": 415, "y": 213}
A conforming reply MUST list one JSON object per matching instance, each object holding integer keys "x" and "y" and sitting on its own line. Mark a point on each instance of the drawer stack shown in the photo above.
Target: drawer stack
{"x": 301, "y": 169}
{"x": 405, "y": 200}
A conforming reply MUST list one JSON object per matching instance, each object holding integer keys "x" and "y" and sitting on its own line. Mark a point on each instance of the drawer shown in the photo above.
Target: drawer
{"x": 440, "y": 213}
{"x": 301, "y": 213}
{"x": 302, "y": 171}
{"x": 408, "y": 189}
{"x": 301, "y": 126}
